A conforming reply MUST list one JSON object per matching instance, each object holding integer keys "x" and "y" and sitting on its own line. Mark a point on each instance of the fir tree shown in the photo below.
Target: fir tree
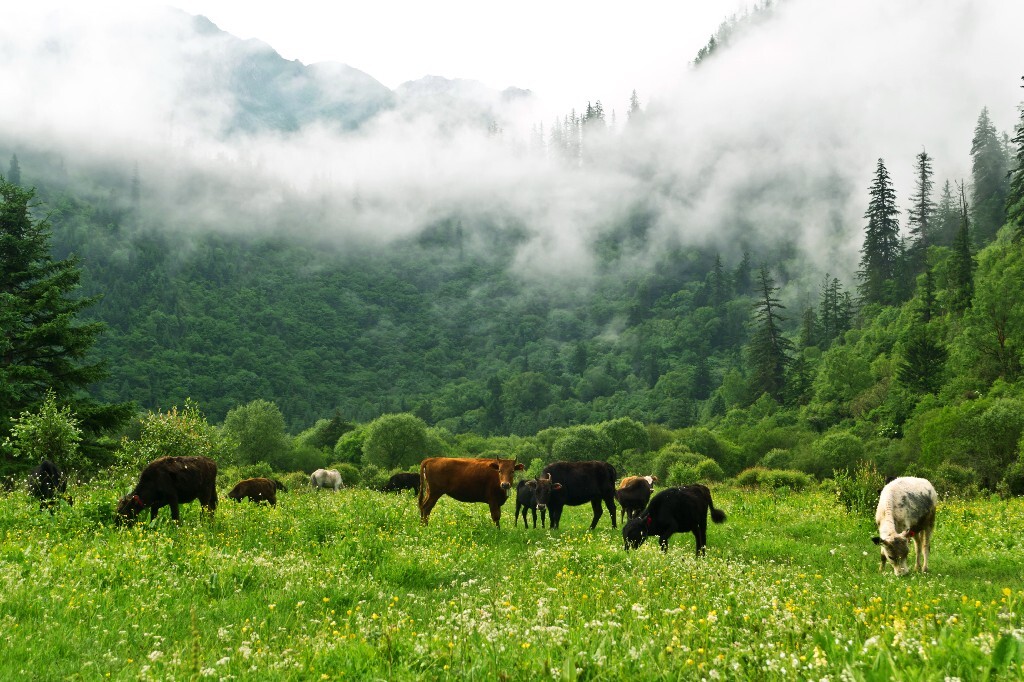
{"x": 962, "y": 266}
{"x": 634, "y": 113}
{"x": 989, "y": 165}
{"x": 880, "y": 255}
{"x": 42, "y": 345}
{"x": 921, "y": 222}
{"x": 947, "y": 217}
{"x": 924, "y": 360}
{"x": 769, "y": 350}
{"x": 1015, "y": 195}
{"x": 14, "y": 171}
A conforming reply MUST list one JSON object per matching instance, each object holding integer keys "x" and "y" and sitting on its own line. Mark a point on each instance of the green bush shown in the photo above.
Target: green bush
{"x": 836, "y": 451}
{"x": 1014, "y": 478}
{"x": 751, "y": 477}
{"x": 349, "y": 447}
{"x": 954, "y": 480}
{"x": 704, "y": 471}
{"x": 858, "y": 491}
{"x": 350, "y": 474}
{"x": 786, "y": 478}
{"x": 777, "y": 458}
{"x": 670, "y": 455}
{"x": 580, "y": 443}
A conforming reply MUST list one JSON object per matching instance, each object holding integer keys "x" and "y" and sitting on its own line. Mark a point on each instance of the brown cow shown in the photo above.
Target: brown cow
{"x": 633, "y": 494}
{"x": 466, "y": 480}
{"x": 256, "y": 490}
{"x": 171, "y": 481}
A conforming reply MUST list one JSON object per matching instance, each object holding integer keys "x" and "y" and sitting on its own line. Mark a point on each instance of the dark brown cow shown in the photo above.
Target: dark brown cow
{"x": 171, "y": 481}
{"x": 633, "y": 495}
{"x": 49, "y": 485}
{"x": 575, "y": 483}
{"x": 256, "y": 490}
{"x": 400, "y": 482}
{"x": 466, "y": 480}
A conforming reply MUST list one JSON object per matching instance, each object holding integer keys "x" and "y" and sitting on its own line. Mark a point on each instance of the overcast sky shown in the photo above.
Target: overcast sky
{"x": 567, "y": 51}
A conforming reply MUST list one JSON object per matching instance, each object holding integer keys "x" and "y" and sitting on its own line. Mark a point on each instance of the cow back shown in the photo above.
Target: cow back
{"x": 581, "y": 481}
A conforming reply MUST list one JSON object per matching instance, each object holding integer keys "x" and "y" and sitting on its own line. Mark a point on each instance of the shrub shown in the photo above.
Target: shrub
{"x": 673, "y": 454}
{"x": 50, "y": 433}
{"x": 777, "y": 458}
{"x": 173, "y": 433}
{"x": 349, "y": 447}
{"x": 858, "y": 491}
{"x": 395, "y": 440}
{"x": 836, "y": 451}
{"x": 750, "y": 478}
{"x": 350, "y": 474}
{"x": 786, "y": 478}
{"x": 955, "y": 480}
{"x": 1014, "y": 478}
{"x": 580, "y": 443}
{"x": 706, "y": 470}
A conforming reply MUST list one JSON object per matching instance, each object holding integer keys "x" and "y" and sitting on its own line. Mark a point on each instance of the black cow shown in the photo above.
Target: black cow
{"x": 674, "y": 510}
{"x": 257, "y": 490}
{"x": 171, "y": 481}
{"x": 46, "y": 483}
{"x": 400, "y": 482}
{"x": 633, "y": 495}
{"x": 575, "y": 483}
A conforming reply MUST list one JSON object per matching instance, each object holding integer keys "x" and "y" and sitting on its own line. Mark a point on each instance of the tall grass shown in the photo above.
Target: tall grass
{"x": 350, "y": 585}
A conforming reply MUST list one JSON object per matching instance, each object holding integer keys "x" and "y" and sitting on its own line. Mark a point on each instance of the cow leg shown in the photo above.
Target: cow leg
{"x": 700, "y": 536}
{"x": 924, "y": 546}
{"x": 596, "y": 504}
{"x": 663, "y": 541}
{"x": 496, "y": 515}
{"x": 516, "y": 522}
{"x": 556, "y": 516}
{"x": 543, "y": 513}
{"x": 610, "y": 503}
{"x": 427, "y": 506}
{"x": 534, "y": 512}
{"x": 174, "y": 510}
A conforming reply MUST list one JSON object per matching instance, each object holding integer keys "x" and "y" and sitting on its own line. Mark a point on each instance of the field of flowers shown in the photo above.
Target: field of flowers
{"x": 351, "y": 586}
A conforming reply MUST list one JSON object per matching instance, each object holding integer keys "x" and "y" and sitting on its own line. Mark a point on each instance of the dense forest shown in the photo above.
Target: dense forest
{"x": 742, "y": 352}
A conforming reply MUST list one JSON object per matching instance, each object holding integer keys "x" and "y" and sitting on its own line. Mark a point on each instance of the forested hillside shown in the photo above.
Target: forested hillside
{"x": 539, "y": 306}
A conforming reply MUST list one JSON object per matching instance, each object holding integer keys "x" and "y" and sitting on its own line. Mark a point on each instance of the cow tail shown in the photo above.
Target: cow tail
{"x": 422, "y": 493}
{"x": 717, "y": 515}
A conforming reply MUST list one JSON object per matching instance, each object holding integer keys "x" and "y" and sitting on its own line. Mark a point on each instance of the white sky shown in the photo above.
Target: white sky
{"x": 567, "y": 51}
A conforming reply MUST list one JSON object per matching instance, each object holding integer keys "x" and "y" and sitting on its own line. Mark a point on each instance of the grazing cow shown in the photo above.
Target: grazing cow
{"x": 575, "y": 483}
{"x": 47, "y": 483}
{"x": 171, "y": 481}
{"x": 906, "y": 509}
{"x": 402, "y": 482}
{"x": 633, "y": 495}
{"x": 674, "y": 510}
{"x": 257, "y": 490}
{"x": 325, "y": 478}
{"x": 466, "y": 480}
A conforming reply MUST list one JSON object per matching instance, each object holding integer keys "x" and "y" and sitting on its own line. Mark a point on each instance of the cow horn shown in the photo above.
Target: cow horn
{"x": 547, "y": 476}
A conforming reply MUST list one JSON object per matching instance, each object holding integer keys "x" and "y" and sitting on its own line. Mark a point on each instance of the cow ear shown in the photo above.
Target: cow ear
{"x": 556, "y": 486}
{"x": 494, "y": 465}
{"x": 519, "y": 466}
{"x": 531, "y": 483}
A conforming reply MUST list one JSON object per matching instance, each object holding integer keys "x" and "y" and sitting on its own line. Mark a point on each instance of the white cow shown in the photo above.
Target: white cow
{"x": 906, "y": 509}
{"x": 326, "y": 478}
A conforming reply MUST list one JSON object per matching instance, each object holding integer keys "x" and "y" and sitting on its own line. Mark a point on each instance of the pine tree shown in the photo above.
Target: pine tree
{"x": 14, "y": 171}
{"x": 989, "y": 166}
{"x": 718, "y": 284}
{"x": 880, "y": 255}
{"x": 947, "y": 217}
{"x": 769, "y": 350}
{"x": 634, "y": 113}
{"x": 1015, "y": 196}
{"x": 962, "y": 266}
{"x": 921, "y": 221}
{"x": 42, "y": 346}
{"x": 741, "y": 277}
{"x": 923, "y": 362}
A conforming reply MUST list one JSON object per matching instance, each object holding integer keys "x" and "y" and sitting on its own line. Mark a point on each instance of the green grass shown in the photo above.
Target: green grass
{"x": 351, "y": 586}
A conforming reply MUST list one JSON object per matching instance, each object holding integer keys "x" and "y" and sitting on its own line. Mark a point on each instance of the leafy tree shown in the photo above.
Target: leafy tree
{"x": 258, "y": 430}
{"x": 989, "y": 166}
{"x": 173, "y": 434}
{"x": 51, "y": 433}
{"x": 921, "y": 220}
{"x": 395, "y": 440}
{"x": 880, "y": 254}
{"x": 580, "y": 443}
{"x": 42, "y": 345}
{"x": 769, "y": 349}
{"x": 626, "y": 434}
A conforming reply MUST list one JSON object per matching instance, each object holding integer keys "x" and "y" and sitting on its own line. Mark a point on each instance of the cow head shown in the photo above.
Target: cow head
{"x": 543, "y": 487}
{"x": 506, "y": 469}
{"x": 636, "y": 531}
{"x": 895, "y": 550}
{"x": 128, "y": 508}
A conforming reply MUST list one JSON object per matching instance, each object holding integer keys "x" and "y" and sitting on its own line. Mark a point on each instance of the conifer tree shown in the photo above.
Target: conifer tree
{"x": 1015, "y": 196}
{"x": 634, "y": 113}
{"x": 921, "y": 216}
{"x": 947, "y": 217}
{"x": 769, "y": 350}
{"x": 42, "y": 345}
{"x": 989, "y": 166}
{"x": 962, "y": 266}
{"x": 880, "y": 255}
{"x": 741, "y": 277}
{"x": 14, "y": 171}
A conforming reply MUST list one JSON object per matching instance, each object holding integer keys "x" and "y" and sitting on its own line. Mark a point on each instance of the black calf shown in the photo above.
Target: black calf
{"x": 674, "y": 510}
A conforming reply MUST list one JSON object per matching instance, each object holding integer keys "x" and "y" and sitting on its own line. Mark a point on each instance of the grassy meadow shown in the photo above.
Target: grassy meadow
{"x": 351, "y": 586}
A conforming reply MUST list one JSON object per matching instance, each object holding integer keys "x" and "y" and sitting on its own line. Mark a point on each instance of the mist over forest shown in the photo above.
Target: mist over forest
{"x": 262, "y": 229}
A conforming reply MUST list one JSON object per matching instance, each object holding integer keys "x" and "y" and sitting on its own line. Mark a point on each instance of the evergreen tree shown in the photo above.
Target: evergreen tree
{"x": 921, "y": 220}
{"x": 962, "y": 270}
{"x": 989, "y": 165}
{"x": 718, "y": 284}
{"x": 808, "y": 329}
{"x": 835, "y": 311}
{"x": 634, "y": 113}
{"x": 42, "y": 346}
{"x": 923, "y": 362}
{"x": 14, "y": 171}
{"x": 769, "y": 350}
{"x": 947, "y": 217}
{"x": 880, "y": 255}
{"x": 741, "y": 278}
{"x": 927, "y": 308}
{"x": 1015, "y": 195}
